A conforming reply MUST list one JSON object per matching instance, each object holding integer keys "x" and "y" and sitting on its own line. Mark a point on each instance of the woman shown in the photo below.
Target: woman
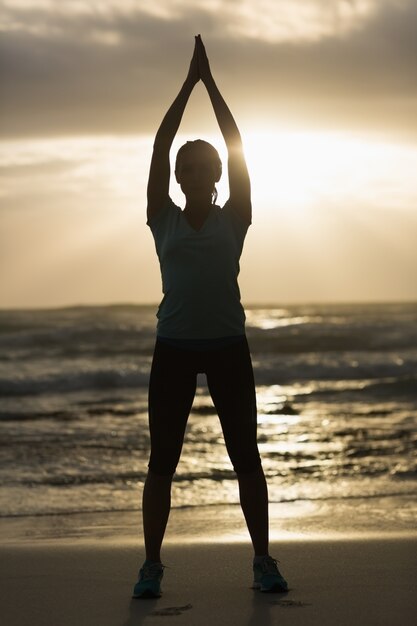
{"x": 201, "y": 325}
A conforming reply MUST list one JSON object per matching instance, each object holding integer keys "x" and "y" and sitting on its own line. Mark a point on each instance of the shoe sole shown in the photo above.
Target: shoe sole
{"x": 147, "y": 595}
{"x": 274, "y": 589}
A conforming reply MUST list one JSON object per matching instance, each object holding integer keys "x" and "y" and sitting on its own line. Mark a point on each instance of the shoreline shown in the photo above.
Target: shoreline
{"x": 296, "y": 521}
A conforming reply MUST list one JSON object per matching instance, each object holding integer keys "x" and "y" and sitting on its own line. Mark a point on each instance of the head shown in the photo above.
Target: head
{"x": 197, "y": 169}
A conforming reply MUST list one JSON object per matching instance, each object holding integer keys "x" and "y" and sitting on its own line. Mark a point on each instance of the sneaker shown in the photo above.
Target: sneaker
{"x": 267, "y": 577}
{"x": 149, "y": 583}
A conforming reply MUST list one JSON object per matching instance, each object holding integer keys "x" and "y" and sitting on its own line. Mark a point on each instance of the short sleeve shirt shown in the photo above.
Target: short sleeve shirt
{"x": 199, "y": 270}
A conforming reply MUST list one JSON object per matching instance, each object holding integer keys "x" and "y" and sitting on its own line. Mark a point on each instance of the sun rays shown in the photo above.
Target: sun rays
{"x": 325, "y": 206}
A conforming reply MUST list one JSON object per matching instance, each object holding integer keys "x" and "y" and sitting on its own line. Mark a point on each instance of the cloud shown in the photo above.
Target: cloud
{"x": 275, "y": 20}
{"x": 76, "y": 67}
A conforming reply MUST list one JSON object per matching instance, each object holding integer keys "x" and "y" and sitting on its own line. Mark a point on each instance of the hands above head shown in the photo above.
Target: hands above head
{"x": 193, "y": 75}
{"x": 199, "y": 66}
{"x": 203, "y": 62}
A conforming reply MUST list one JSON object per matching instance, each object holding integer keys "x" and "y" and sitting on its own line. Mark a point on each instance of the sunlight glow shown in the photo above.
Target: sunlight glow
{"x": 326, "y": 205}
{"x": 297, "y": 171}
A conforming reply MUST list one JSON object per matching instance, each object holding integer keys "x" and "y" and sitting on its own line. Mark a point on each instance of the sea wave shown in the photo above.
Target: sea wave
{"x": 381, "y": 388}
{"x": 349, "y": 381}
{"x": 69, "y": 381}
{"x": 336, "y": 400}
{"x": 106, "y": 331}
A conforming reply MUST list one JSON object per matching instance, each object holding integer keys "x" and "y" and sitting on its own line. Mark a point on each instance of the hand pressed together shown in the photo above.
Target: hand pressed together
{"x": 193, "y": 75}
{"x": 203, "y": 62}
{"x": 199, "y": 67}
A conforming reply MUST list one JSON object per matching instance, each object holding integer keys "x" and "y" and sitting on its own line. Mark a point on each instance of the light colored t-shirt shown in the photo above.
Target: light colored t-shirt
{"x": 199, "y": 272}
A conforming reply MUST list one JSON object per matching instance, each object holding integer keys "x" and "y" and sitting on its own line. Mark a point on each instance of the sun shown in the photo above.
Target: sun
{"x": 277, "y": 165}
{"x": 292, "y": 172}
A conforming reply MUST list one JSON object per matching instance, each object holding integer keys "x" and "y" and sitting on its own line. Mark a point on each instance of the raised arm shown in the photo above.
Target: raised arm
{"x": 160, "y": 171}
{"x": 239, "y": 181}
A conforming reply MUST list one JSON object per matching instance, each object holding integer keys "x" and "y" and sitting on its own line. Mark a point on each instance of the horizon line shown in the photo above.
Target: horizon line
{"x": 257, "y": 305}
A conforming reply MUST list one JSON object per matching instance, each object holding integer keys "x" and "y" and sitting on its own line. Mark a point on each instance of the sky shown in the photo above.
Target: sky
{"x": 324, "y": 93}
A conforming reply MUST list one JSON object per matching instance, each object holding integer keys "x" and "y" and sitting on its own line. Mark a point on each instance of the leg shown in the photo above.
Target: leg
{"x": 156, "y": 505}
{"x": 171, "y": 392}
{"x": 253, "y": 494}
{"x": 231, "y": 384}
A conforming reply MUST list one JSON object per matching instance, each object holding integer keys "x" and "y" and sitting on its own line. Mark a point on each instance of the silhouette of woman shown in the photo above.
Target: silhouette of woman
{"x": 201, "y": 324}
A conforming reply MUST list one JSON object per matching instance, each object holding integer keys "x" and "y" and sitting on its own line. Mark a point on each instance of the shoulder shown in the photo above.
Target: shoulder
{"x": 234, "y": 215}
{"x": 165, "y": 214}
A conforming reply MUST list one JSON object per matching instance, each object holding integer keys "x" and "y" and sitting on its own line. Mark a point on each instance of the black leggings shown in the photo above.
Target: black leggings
{"x": 172, "y": 388}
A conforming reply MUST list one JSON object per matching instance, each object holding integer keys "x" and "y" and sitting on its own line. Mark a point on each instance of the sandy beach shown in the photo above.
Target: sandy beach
{"x": 87, "y": 581}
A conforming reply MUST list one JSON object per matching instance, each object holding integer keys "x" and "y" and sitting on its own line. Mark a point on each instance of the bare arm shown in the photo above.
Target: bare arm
{"x": 239, "y": 181}
{"x": 159, "y": 173}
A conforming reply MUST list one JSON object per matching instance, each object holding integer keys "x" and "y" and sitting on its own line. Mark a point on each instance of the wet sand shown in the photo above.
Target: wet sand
{"x": 87, "y": 581}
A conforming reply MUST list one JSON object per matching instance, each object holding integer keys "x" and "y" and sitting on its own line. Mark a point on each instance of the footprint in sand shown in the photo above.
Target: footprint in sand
{"x": 290, "y": 603}
{"x": 172, "y": 610}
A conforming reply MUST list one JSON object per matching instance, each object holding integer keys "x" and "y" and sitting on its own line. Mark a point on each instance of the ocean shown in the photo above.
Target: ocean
{"x": 337, "y": 408}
